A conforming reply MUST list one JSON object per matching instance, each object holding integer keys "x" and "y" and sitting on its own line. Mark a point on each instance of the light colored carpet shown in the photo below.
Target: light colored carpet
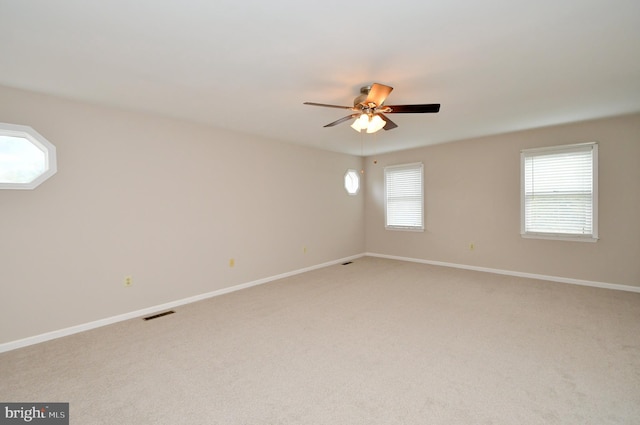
{"x": 375, "y": 342}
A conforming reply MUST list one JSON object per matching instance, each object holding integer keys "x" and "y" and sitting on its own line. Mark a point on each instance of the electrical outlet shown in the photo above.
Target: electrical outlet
{"x": 304, "y": 249}
{"x": 232, "y": 262}
{"x": 472, "y": 246}
{"x": 128, "y": 281}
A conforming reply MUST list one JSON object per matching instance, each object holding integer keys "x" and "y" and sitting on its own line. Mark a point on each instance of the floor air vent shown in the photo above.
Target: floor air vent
{"x": 155, "y": 316}
{"x": 347, "y": 263}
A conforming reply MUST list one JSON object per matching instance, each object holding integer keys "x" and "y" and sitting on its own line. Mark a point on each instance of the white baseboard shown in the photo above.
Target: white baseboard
{"x": 12, "y": 345}
{"x": 513, "y": 273}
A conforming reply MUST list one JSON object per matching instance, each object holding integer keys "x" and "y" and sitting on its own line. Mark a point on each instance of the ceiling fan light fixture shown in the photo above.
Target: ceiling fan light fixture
{"x": 375, "y": 123}
{"x": 370, "y": 123}
{"x": 361, "y": 123}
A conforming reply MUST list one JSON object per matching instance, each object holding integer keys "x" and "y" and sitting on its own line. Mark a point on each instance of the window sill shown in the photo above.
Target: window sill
{"x": 405, "y": 229}
{"x": 559, "y": 237}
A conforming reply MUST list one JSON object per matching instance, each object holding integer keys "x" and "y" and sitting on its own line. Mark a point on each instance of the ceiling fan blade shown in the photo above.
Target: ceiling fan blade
{"x": 390, "y": 125}
{"x": 341, "y": 120}
{"x": 328, "y": 106}
{"x": 377, "y": 94}
{"x": 412, "y": 109}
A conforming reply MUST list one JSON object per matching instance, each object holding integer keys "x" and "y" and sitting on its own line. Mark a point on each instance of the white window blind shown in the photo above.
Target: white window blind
{"x": 559, "y": 192}
{"x": 404, "y": 197}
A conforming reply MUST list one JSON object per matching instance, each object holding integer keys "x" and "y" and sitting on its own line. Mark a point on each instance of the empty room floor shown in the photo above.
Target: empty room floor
{"x": 376, "y": 341}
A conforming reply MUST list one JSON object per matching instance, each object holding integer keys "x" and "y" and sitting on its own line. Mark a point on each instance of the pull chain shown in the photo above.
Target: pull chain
{"x": 362, "y": 150}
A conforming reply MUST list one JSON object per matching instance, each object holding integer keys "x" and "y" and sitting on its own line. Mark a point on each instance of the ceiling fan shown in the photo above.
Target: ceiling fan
{"x": 369, "y": 109}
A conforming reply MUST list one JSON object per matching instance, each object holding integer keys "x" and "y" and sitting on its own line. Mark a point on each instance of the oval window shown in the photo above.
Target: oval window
{"x": 352, "y": 182}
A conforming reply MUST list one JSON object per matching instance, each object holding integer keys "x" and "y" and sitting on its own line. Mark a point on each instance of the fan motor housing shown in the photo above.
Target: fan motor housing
{"x": 364, "y": 92}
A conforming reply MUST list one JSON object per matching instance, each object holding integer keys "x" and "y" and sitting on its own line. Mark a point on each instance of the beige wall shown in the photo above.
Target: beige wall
{"x": 472, "y": 194}
{"x": 170, "y": 202}
{"x": 165, "y": 201}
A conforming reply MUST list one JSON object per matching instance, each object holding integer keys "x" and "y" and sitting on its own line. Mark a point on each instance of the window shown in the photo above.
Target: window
{"x": 403, "y": 190}
{"x": 352, "y": 182}
{"x": 560, "y": 192}
{"x": 26, "y": 158}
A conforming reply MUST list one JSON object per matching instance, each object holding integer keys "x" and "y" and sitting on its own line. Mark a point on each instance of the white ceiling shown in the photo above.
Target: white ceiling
{"x": 494, "y": 65}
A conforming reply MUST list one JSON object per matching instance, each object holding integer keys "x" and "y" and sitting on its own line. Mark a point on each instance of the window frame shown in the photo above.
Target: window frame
{"x": 588, "y": 237}
{"x": 413, "y": 165}
{"x": 35, "y": 138}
